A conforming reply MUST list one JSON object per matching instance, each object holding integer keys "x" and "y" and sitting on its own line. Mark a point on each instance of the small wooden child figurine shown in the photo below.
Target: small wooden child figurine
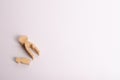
{"x": 23, "y": 60}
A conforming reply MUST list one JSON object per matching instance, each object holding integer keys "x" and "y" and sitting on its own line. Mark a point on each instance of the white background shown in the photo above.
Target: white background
{"x": 78, "y": 39}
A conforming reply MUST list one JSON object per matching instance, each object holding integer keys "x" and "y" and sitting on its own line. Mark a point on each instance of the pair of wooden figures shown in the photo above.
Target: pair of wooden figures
{"x": 28, "y": 46}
